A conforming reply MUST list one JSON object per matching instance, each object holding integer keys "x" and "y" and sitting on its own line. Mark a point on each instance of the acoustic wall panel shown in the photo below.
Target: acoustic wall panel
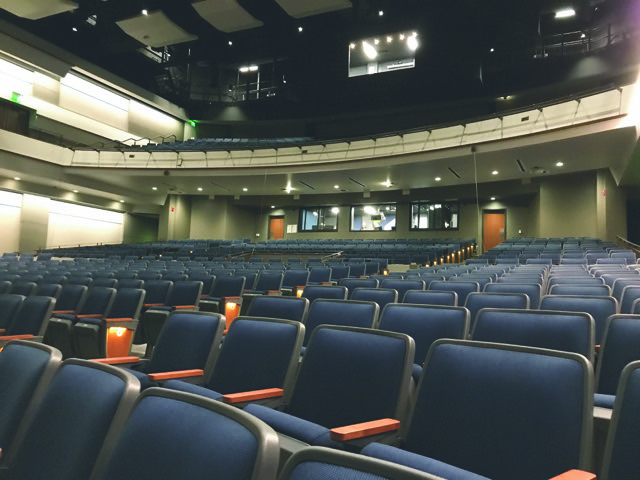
{"x": 35, "y": 9}
{"x": 306, "y": 8}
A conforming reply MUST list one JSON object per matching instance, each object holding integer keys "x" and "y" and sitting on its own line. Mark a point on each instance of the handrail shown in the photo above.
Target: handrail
{"x": 631, "y": 245}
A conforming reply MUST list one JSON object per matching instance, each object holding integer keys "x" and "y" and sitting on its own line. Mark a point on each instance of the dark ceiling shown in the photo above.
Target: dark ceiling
{"x": 468, "y": 48}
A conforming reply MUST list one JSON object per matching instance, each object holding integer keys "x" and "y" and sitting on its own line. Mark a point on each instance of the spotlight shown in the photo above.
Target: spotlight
{"x": 565, "y": 13}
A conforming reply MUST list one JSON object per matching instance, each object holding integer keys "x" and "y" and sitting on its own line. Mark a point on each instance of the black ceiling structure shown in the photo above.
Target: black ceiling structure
{"x": 470, "y": 51}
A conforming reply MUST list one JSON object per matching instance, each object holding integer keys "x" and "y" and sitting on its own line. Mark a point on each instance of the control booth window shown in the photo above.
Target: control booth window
{"x": 434, "y": 216}
{"x": 368, "y": 218}
{"x": 319, "y": 219}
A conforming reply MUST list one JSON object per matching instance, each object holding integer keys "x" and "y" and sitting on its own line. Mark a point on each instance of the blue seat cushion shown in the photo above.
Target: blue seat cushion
{"x": 307, "y": 432}
{"x": 419, "y": 462}
{"x": 604, "y": 401}
{"x": 144, "y": 379}
{"x": 416, "y": 372}
{"x": 191, "y": 388}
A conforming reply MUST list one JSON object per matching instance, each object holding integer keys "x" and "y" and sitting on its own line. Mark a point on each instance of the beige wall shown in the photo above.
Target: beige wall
{"x": 615, "y": 208}
{"x": 139, "y": 228}
{"x": 34, "y": 223}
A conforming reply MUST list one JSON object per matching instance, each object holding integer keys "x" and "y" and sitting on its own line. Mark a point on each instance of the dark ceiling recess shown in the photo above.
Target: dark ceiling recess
{"x": 468, "y": 50}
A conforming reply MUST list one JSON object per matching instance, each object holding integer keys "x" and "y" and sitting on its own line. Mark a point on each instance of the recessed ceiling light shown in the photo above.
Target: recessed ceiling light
{"x": 493, "y": 198}
{"x": 380, "y": 13}
{"x": 335, "y": 210}
{"x": 389, "y": 39}
{"x": 336, "y": 186}
{"x": 402, "y": 36}
{"x": 495, "y": 172}
{"x": 559, "y": 164}
{"x": 376, "y": 41}
{"x": 145, "y": 12}
{"x": 154, "y": 188}
{"x": 74, "y": 29}
{"x": 565, "y": 13}
{"x": 16, "y": 178}
{"x": 199, "y": 189}
{"x": 300, "y": 29}
{"x": 437, "y": 179}
{"x": 352, "y": 46}
{"x": 245, "y": 189}
{"x": 230, "y": 43}
{"x": 75, "y": 191}
{"x": 492, "y": 50}
{"x": 121, "y": 201}
{"x": 584, "y": 35}
{"x": 273, "y": 206}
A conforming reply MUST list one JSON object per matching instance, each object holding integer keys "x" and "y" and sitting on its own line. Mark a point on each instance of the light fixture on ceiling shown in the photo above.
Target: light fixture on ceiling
{"x": 412, "y": 43}
{"x": 492, "y": 50}
{"x": 145, "y": 11}
{"x": 402, "y": 36}
{"x": 352, "y": 46}
{"x": 369, "y": 50}
{"x": 16, "y": 178}
{"x": 559, "y": 164}
{"x": 584, "y": 35}
{"x": 74, "y": 29}
{"x": 300, "y": 29}
{"x": 199, "y": 189}
{"x": 565, "y": 13}
{"x": 387, "y": 184}
{"x": 335, "y": 210}
{"x": 437, "y": 179}
{"x": 380, "y": 13}
{"x": 288, "y": 189}
{"x": 273, "y": 206}
{"x": 121, "y": 201}
{"x": 389, "y": 39}
{"x": 336, "y": 186}
{"x": 154, "y": 188}
{"x": 230, "y": 43}
{"x": 75, "y": 191}
{"x": 493, "y": 198}
{"x": 495, "y": 172}
{"x": 376, "y": 41}
{"x": 245, "y": 189}
{"x": 370, "y": 210}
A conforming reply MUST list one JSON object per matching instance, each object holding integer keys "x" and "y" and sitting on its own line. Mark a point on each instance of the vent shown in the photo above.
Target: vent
{"x": 538, "y": 171}
{"x": 355, "y": 181}
{"x": 454, "y": 172}
{"x": 524, "y": 119}
{"x": 306, "y": 185}
{"x": 520, "y": 166}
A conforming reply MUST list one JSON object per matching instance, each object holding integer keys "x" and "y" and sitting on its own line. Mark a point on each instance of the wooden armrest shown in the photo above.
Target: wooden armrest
{"x": 93, "y": 315}
{"x": 154, "y": 304}
{"x": 2, "y": 330}
{"x": 107, "y": 320}
{"x": 231, "y": 299}
{"x": 273, "y": 292}
{"x": 15, "y": 337}
{"x": 326, "y": 283}
{"x": 117, "y": 360}
{"x": 365, "y": 429}
{"x": 576, "y": 475}
{"x": 184, "y": 307}
{"x": 252, "y": 395}
{"x": 176, "y": 374}
{"x": 66, "y": 312}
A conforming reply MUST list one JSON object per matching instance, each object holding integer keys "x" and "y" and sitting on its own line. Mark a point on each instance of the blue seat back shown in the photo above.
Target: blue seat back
{"x": 464, "y": 423}
{"x": 352, "y": 313}
{"x": 319, "y": 275}
{"x": 357, "y": 269}
{"x": 431, "y": 297}
{"x": 402, "y": 286}
{"x": 226, "y": 286}
{"x": 532, "y": 290}
{"x": 23, "y": 288}
{"x": 564, "y": 331}
{"x": 369, "y": 368}
{"x": 184, "y": 293}
{"x": 157, "y": 291}
{"x": 286, "y": 308}
{"x": 425, "y": 324}
{"x": 201, "y": 438}
{"x": 127, "y": 304}
{"x": 48, "y": 290}
{"x": 571, "y": 289}
{"x": 206, "y": 279}
{"x": 188, "y": 340}
{"x": 98, "y": 301}
{"x": 382, "y": 296}
{"x": 85, "y": 400}
{"x": 26, "y": 368}
{"x": 105, "y": 282}
{"x": 338, "y": 272}
{"x": 621, "y": 283}
{"x": 630, "y": 294}
{"x": 337, "y": 292}
{"x": 9, "y": 305}
{"x": 600, "y": 308}
{"x": 462, "y": 288}
{"x": 130, "y": 283}
{"x": 295, "y": 278}
{"x": 32, "y": 317}
{"x": 269, "y": 281}
{"x": 620, "y": 346}
{"x": 257, "y": 353}
{"x": 479, "y": 300}
{"x": 353, "y": 283}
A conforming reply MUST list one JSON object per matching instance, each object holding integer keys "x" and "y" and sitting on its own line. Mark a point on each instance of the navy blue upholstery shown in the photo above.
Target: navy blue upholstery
{"x": 227, "y": 287}
{"x": 23, "y": 288}
{"x": 295, "y": 278}
{"x": 432, "y": 297}
{"x": 286, "y": 308}
{"x": 268, "y": 281}
{"x": 157, "y": 291}
{"x": 71, "y": 422}
{"x": 184, "y": 293}
{"x": 629, "y": 295}
{"x": 533, "y": 291}
{"x": 352, "y": 313}
{"x": 425, "y": 324}
{"x": 319, "y": 275}
{"x": 382, "y": 296}
{"x": 48, "y": 290}
{"x": 623, "y": 442}
{"x": 620, "y": 346}
{"x": 9, "y": 305}
{"x": 461, "y": 288}
{"x": 318, "y": 463}
{"x": 600, "y": 308}
{"x": 336, "y": 292}
{"x": 196, "y": 438}
{"x": 571, "y": 289}
{"x": 32, "y": 317}
{"x": 402, "y": 286}
{"x": 348, "y": 375}
{"x": 71, "y": 297}
{"x": 498, "y": 409}
{"x": 565, "y": 331}
{"x": 26, "y": 368}
{"x": 479, "y": 300}
{"x": 338, "y": 272}
{"x": 353, "y": 283}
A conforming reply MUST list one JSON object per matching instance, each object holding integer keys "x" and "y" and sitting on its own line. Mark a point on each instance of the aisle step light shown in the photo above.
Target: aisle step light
{"x": 119, "y": 336}
{"x": 231, "y": 309}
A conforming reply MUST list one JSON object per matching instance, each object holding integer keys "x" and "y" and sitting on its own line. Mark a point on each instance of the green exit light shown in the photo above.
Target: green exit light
{"x": 15, "y": 97}
{"x": 193, "y": 124}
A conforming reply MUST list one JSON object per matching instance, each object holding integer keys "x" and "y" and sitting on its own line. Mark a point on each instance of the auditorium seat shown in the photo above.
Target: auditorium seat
{"x": 526, "y": 414}
{"x": 382, "y": 296}
{"x": 336, "y": 292}
{"x": 352, "y": 313}
{"x": 476, "y": 301}
{"x": 431, "y": 297}
{"x": 286, "y": 308}
{"x": 30, "y": 321}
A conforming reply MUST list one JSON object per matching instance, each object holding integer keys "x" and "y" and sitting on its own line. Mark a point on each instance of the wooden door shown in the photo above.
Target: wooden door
{"x": 494, "y": 230}
{"x": 276, "y": 228}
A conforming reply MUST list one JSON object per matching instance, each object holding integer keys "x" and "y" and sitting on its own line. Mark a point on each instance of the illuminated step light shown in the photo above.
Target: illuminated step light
{"x": 230, "y": 43}
{"x": 369, "y": 50}
{"x": 74, "y": 29}
{"x": 75, "y": 191}
{"x": 121, "y": 201}
{"x": 16, "y": 178}
{"x": 565, "y": 13}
